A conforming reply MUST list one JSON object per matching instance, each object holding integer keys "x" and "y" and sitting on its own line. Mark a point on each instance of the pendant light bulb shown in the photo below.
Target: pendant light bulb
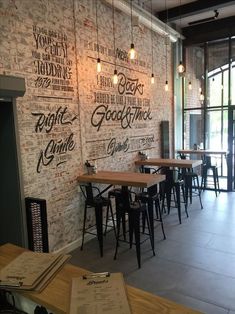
{"x": 132, "y": 52}
{"x": 115, "y": 77}
{"x": 166, "y": 86}
{"x": 200, "y": 89}
{"x": 152, "y": 78}
{"x": 201, "y": 97}
{"x": 180, "y": 68}
{"x": 190, "y": 85}
{"x": 98, "y": 65}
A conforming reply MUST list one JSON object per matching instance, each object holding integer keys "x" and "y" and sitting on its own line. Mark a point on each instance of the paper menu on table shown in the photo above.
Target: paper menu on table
{"x": 29, "y": 269}
{"x": 99, "y": 295}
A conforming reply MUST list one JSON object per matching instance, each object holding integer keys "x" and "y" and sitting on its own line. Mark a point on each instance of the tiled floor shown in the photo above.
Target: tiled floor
{"x": 194, "y": 266}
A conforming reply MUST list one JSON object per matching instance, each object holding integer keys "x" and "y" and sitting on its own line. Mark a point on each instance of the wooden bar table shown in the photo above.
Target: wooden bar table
{"x": 56, "y": 295}
{"x": 161, "y": 162}
{"x": 122, "y": 178}
{"x": 202, "y": 151}
{"x": 125, "y": 179}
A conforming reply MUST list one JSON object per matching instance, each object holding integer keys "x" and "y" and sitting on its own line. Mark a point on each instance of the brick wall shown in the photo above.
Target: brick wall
{"x": 69, "y": 113}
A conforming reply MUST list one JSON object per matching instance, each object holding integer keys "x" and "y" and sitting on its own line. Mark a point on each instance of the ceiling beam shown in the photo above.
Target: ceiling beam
{"x": 192, "y": 8}
{"x": 205, "y": 32}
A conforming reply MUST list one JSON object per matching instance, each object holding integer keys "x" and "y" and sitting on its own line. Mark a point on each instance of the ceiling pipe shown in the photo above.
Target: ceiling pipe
{"x": 145, "y": 19}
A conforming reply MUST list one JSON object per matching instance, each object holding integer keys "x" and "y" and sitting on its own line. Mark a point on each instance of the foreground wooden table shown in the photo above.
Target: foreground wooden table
{"x": 161, "y": 162}
{"x": 56, "y": 295}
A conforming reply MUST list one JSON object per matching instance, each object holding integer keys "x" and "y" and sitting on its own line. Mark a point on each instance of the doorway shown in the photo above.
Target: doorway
{"x": 11, "y": 216}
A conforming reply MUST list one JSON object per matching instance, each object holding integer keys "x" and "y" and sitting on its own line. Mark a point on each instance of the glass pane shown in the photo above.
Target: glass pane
{"x": 194, "y": 75}
{"x": 193, "y": 128}
{"x": 233, "y": 84}
{"x": 233, "y": 73}
{"x": 216, "y": 137}
{"x": 218, "y": 73}
{"x": 215, "y": 90}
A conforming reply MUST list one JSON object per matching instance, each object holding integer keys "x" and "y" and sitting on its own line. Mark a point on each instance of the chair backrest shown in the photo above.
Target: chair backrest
{"x": 207, "y": 161}
{"x": 122, "y": 201}
{"x": 88, "y": 192}
{"x": 172, "y": 176}
{"x": 153, "y": 190}
{"x": 150, "y": 170}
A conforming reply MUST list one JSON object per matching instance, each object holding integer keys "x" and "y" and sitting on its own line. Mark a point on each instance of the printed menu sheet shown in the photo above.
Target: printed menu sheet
{"x": 101, "y": 293}
{"x": 31, "y": 270}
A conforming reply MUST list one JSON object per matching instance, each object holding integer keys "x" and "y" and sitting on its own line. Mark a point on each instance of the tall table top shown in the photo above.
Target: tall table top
{"x": 202, "y": 151}
{"x": 56, "y": 295}
{"x": 180, "y": 163}
{"x": 122, "y": 178}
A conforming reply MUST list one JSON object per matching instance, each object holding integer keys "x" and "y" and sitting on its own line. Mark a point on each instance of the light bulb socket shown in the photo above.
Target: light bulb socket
{"x": 132, "y": 46}
{"x": 115, "y": 72}
{"x": 98, "y": 60}
{"x": 166, "y": 83}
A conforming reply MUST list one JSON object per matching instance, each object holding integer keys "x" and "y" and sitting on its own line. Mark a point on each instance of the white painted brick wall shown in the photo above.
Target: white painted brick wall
{"x": 57, "y": 183}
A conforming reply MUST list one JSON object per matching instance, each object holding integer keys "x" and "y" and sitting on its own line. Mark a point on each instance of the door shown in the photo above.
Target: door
{"x": 11, "y": 218}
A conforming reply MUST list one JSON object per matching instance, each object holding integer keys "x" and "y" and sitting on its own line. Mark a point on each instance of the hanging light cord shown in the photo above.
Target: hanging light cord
{"x": 97, "y": 28}
{"x": 166, "y": 39}
{"x": 152, "y": 31}
{"x": 180, "y": 15}
{"x": 114, "y": 41}
{"x": 131, "y": 24}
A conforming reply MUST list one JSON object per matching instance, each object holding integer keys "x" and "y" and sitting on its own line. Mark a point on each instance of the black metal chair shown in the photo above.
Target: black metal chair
{"x": 207, "y": 166}
{"x": 97, "y": 202}
{"x": 134, "y": 210}
{"x": 191, "y": 184}
{"x": 154, "y": 194}
{"x": 192, "y": 187}
{"x": 173, "y": 184}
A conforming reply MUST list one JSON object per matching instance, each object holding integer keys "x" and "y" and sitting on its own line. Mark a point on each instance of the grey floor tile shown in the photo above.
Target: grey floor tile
{"x": 194, "y": 266}
{"x": 222, "y": 243}
{"x": 199, "y": 257}
{"x": 193, "y": 303}
{"x": 208, "y": 287}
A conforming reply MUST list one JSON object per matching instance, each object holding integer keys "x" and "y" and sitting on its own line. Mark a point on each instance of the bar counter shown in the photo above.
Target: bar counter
{"x": 55, "y": 296}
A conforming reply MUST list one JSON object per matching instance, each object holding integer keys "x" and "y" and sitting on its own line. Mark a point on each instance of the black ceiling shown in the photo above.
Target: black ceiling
{"x": 203, "y": 20}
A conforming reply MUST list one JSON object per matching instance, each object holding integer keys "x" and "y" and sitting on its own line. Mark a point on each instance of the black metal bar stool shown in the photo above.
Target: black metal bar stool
{"x": 153, "y": 194}
{"x": 205, "y": 168}
{"x": 97, "y": 202}
{"x": 134, "y": 210}
{"x": 192, "y": 187}
{"x": 173, "y": 184}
